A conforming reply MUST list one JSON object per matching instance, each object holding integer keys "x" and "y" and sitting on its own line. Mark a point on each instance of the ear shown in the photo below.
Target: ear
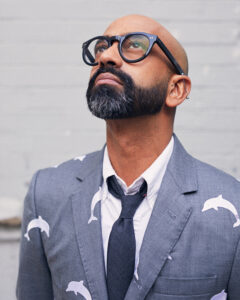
{"x": 179, "y": 87}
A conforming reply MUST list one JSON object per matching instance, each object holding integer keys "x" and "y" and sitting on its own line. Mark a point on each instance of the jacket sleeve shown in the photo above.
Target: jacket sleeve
{"x": 234, "y": 281}
{"x": 34, "y": 277}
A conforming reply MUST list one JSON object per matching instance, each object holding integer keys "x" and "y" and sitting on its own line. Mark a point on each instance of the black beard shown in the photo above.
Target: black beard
{"x": 107, "y": 102}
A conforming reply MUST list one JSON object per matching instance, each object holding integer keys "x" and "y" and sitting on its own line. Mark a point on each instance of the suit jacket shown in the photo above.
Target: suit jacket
{"x": 190, "y": 249}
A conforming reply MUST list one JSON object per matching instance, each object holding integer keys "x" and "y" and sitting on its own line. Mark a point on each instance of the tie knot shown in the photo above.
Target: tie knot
{"x": 130, "y": 203}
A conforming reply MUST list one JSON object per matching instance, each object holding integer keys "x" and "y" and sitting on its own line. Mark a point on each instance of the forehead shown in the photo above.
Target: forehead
{"x": 131, "y": 24}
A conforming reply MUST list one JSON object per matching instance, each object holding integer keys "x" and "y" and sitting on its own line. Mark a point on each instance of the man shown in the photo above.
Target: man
{"x": 140, "y": 219}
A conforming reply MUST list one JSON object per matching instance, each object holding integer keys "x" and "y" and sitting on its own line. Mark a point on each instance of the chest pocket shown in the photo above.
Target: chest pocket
{"x": 202, "y": 288}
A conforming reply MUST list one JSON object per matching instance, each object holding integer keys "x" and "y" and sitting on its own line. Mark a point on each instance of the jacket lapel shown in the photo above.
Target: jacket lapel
{"x": 89, "y": 234}
{"x": 169, "y": 217}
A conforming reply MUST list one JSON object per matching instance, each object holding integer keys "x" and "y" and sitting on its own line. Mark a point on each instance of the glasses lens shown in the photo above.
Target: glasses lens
{"x": 94, "y": 50}
{"x": 135, "y": 46}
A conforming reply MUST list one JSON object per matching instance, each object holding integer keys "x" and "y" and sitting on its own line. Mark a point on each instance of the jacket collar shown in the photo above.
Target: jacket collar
{"x": 182, "y": 168}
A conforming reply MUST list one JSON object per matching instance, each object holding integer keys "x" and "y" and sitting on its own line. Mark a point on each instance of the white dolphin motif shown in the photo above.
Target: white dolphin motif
{"x": 78, "y": 287}
{"x": 221, "y": 296}
{"x": 221, "y": 202}
{"x": 81, "y": 158}
{"x": 136, "y": 268}
{"x": 37, "y": 223}
{"x": 96, "y": 198}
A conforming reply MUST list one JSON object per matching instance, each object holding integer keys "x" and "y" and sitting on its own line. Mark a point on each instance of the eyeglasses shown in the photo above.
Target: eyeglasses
{"x": 132, "y": 47}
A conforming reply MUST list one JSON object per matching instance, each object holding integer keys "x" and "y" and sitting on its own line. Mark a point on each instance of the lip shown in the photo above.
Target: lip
{"x": 107, "y": 78}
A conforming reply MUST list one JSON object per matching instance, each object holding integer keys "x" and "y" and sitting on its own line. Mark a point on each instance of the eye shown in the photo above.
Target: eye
{"x": 100, "y": 47}
{"x": 136, "y": 43}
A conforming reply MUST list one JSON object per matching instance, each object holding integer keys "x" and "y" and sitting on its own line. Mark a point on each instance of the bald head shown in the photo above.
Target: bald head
{"x": 132, "y": 23}
{"x": 141, "y": 84}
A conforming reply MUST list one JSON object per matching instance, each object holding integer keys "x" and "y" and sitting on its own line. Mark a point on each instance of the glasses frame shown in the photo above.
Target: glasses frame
{"x": 120, "y": 39}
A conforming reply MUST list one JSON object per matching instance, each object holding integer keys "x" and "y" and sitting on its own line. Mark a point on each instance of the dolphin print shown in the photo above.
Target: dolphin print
{"x": 81, "y": 158}
{"x": 40, "y": 223}
{"x": 221, "y": 202}
{"x": 96, "y": 198}
{"x": 136, "y": 274}
{"x": 136, "y": 269}
{"x": 78, "y": 287}
{"x": 221, "y": 296}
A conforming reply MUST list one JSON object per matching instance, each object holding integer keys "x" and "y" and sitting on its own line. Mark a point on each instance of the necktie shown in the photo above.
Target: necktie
{"x": 122, "y": 244}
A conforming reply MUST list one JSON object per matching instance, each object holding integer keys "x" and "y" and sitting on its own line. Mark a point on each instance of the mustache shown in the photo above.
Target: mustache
{"x": 126, "y": 80}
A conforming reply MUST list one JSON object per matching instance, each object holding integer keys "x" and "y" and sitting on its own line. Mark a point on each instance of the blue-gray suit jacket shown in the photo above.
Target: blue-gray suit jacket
{"x": 190, "y": 250}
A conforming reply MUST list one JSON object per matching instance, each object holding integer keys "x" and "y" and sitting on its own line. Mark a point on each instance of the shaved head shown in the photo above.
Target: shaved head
{"x": 144, "y": 87}
{"x": 133, "y": 23}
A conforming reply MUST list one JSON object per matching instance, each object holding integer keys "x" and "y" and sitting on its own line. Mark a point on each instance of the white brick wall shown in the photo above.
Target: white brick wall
{"x": 44, "y": 118}
{"x": 43, "y": 114}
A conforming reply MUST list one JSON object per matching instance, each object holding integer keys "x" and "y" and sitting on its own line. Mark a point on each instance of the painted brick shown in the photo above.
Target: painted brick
{"x": 166, "y": 9}
{"x": 73, "y": 31}
{"x": 44, "y": 118}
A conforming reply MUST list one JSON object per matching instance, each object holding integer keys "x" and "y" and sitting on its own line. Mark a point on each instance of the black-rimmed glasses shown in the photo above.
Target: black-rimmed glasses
{"x": 132, "y": 47}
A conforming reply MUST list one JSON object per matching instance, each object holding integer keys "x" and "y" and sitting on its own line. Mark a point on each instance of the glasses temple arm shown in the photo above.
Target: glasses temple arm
{"x": 170, "y": 57}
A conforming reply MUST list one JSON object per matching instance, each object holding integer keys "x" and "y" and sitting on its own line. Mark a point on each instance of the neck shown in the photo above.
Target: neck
{"x": 133, "y": 144}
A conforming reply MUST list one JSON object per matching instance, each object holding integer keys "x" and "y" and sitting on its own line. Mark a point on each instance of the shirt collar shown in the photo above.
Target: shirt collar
{"x": 153, "y": 175}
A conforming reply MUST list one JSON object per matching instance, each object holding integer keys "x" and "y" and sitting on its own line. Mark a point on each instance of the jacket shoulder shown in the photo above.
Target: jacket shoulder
{"x": 57, "y": 183}
{"x": 72, "y": 167}
{"x": 214, "y": 184}
{"x": 209, "y": 174}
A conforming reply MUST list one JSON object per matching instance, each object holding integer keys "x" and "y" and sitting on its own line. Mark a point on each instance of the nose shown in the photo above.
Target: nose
{"x": 111, "y": 57}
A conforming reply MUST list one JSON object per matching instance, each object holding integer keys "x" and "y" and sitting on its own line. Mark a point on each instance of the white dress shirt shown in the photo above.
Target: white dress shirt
{"x": 111, "y": 206}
